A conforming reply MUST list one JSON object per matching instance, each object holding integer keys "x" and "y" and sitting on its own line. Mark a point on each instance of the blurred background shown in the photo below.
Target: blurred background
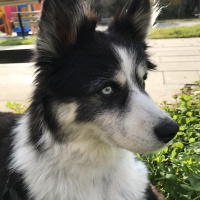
{"x": 174, "y": 9}
{"x": 182, "y": 10}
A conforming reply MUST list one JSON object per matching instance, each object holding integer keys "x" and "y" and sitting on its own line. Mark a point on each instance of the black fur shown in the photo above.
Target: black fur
{"x": 133, "y": 21}
{"x": 7, "y": 123}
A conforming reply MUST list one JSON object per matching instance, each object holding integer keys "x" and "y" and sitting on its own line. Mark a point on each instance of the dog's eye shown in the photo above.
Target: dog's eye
{"x": 107, "y": 91}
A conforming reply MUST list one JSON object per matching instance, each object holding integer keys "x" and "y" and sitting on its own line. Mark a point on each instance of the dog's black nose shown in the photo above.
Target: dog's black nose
{"x": 167, "y": 130}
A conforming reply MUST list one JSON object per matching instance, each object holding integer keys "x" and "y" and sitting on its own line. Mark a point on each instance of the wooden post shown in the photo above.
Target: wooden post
{"x": 21, "y": 26}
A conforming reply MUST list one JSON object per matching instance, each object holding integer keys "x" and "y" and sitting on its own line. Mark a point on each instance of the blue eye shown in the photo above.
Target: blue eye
{"x": 108, "y": 90}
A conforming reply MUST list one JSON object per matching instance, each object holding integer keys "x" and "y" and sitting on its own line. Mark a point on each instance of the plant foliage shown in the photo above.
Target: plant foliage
{"x": 16, "y": 107}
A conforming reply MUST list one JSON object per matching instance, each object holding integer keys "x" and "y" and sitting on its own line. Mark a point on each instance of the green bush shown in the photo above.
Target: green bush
{"x": 176, "y": 169}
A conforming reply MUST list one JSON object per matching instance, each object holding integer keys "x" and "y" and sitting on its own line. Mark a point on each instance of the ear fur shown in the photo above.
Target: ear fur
{"x": 60, "y": 23}
{"x": 135, "y": 19}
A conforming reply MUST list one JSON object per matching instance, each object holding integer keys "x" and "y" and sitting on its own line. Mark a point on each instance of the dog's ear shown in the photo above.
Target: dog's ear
{"x": 60, "y": 24}
{"x": 135, "y": 19}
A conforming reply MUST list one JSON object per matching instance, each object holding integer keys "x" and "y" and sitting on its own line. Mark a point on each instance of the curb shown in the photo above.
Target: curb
{"x": 16, "y": 54}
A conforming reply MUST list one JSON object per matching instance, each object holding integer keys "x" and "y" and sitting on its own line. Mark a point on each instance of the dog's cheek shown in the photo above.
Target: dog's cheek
{"x": 132, "y": 129}
{"x": 66, "y": 113}
{"x": 90, "y": 108}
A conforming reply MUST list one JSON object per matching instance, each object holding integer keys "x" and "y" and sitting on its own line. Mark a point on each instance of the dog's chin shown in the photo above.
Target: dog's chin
{"x": 149, "y": 150}
{"x": 144, "y": 148}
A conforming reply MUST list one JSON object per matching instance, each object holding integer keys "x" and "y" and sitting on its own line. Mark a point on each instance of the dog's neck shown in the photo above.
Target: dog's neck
{"x": 83, "y": 169}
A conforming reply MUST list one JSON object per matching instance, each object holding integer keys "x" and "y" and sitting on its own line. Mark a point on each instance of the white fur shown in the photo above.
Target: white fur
{"x": 126, "y": 65}
{"x": 127, "y": 72}
{"x": 78, "y": 170}
{"x": 66, "y": 117}
{"x": 121, "y": 78}
{"x": 156, "y": 9}
{"x": 141, "y": 71}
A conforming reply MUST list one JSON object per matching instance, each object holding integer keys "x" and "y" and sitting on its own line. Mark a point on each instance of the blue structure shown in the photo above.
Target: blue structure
{"x": 26, "y": 29}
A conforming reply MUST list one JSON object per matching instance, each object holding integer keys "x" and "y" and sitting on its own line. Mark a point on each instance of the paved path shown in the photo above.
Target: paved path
{"x": 164, "y": 24}
{"x": 177, "y": 24}
{"x": 178, "y": 63}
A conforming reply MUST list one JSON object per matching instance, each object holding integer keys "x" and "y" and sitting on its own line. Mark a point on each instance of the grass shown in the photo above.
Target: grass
{"x": 18, "y": 41}
{"x": 177, "y": 20}
{"x": 158, "y": 33}
{"x": 176, "y": 32}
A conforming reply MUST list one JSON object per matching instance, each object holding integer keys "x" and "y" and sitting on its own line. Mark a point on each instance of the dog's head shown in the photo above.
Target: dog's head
{"x": 93, "y": 83}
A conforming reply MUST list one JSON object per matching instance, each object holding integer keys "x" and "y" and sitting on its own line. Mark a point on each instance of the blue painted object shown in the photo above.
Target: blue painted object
{"x": 26, "y": 29}
{"x": 19, "y": 31}
{"x": 22, "y": 6}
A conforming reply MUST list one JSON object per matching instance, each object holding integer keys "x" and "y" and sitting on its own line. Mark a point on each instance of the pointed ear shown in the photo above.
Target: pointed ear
{"x": 60, "y": 23}
{"x": 134, "y": 20}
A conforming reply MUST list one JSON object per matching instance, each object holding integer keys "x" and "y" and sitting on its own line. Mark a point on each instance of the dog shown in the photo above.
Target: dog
{"x": 89, "y": 110}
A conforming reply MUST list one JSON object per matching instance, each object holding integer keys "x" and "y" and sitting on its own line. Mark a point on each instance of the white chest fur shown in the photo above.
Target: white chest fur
{"x": 78, "y": 171}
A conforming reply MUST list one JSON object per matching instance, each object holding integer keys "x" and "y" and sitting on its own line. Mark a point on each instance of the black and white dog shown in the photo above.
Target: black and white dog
{"x": 89, "y": 110}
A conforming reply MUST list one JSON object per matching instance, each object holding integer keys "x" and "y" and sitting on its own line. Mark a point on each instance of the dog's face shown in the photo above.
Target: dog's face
{"x": 94, "y": 82}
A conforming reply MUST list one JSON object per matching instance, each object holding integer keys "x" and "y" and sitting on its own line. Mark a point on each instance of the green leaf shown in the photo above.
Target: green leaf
{"x": 195, "y": 145}
{"x": 189, "y": 114}
{"x": 183, "y": 120}
{"x": 192, "y": 119}
{"x": 170, "y": 176}
{"x": 178, "y": 145}
{"x": 187, "y": 187}
{"x": 180, "y": 133}
{"x": 9, "y": 105}
{"x": 197, "y": 189}
{"x": 192, "y": 140}
{"x": 195, "y": 183}
{"x": 181, "y": 128}
{"x": 197, "y": 125}
{"x": 185, "y": 97}
{"x": 165, "y": 150}
{"x": 173, "y": 153}
{"x": 197, "y": 176}
{"x": 175, "y": 117}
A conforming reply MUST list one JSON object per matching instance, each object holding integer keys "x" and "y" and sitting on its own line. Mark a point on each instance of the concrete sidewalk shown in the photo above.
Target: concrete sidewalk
{"x": 178, "y": 63}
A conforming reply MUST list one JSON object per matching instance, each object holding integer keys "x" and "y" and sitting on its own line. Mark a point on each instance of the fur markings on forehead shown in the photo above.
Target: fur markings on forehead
{"x": 126, "y": 64}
